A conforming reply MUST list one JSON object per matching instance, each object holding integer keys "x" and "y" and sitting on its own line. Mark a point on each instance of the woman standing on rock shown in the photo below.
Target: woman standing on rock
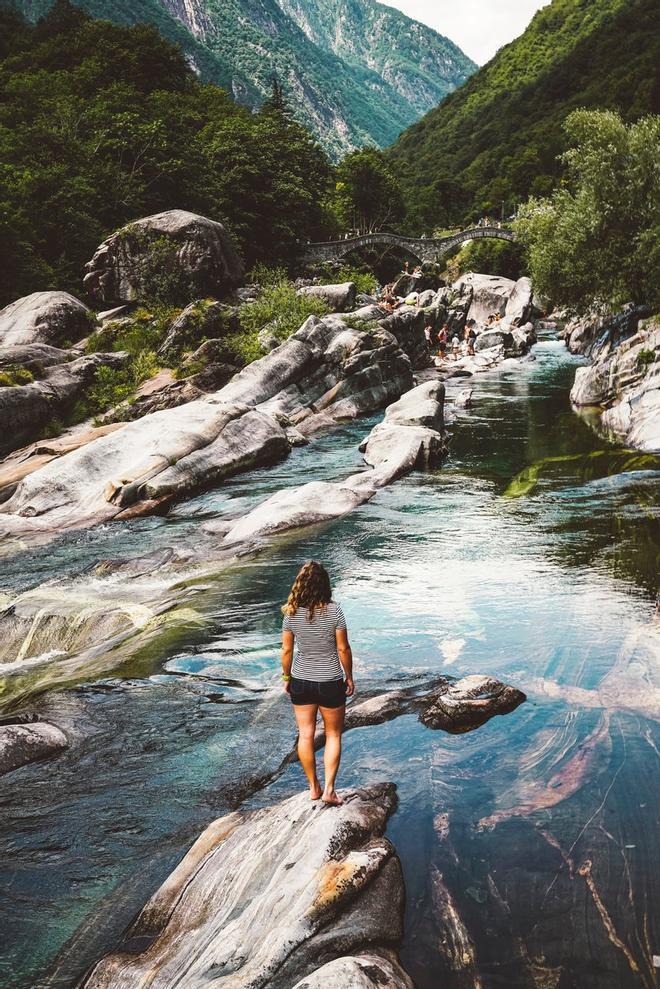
{"x": 315, "y": 678}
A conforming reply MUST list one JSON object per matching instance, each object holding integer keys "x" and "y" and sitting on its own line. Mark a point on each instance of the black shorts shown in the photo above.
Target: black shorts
{"x": 325, "y": 693}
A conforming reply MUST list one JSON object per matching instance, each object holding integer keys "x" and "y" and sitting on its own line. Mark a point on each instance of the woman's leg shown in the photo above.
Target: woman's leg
{"x": 306, "y": 721}
{"x": 333, "y": 719}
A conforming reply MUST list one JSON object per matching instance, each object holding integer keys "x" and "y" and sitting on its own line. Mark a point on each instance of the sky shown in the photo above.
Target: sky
{"x": 479, "y": 27}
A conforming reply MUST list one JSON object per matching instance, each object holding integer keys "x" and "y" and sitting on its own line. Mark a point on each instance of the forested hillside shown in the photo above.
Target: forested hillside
{"x": 101, "y": 124}
{"x": 242, "y": 44}
{"x": 496, "y": 140}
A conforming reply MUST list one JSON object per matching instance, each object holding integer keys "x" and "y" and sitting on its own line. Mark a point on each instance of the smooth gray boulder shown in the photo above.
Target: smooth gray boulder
{"x": 24, "y": 743}
{"x": 340, "y": 298}
{"x": 34, "y": 357}
{"x": 294, "y": 508}
{"x": 407, "y": 326}
{"x": 368, "y": 314}
{"x": 411, "y": 434}
{"x": 25, "y": 410}
{"x": 44, "y": 317}
{"x": 490, "y": 294}
{"x": 494, "y": 338}
{"x": 263, "y": 895}
{"x": 409, "y": 437}
{"x": 197, "y": 253}
{"x": 519, "y": 306}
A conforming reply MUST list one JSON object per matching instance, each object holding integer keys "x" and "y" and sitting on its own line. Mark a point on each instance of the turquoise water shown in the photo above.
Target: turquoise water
{"x": 474, "y": 568}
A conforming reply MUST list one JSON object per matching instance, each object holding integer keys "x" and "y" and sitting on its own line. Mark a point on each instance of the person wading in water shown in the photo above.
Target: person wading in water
{"x": 315, "y": 678}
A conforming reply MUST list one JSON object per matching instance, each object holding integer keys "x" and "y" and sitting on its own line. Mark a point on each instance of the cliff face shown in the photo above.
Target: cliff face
{"x": 355, "y": 73}
{"x": 420, "y": 65}
{"x": 623, "y": 379}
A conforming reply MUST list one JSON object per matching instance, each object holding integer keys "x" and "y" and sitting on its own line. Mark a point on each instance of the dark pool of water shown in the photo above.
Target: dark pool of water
{"x": 472, "y": 568}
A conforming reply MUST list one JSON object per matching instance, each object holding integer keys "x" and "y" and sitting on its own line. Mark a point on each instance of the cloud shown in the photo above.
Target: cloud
{"x": 479, "y": 27}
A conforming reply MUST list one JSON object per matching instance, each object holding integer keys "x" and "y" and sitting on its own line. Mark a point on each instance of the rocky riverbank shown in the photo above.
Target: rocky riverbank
{"x": 620, "y": 390}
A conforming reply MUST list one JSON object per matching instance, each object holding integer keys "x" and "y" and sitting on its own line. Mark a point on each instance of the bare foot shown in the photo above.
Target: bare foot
{"x": 330, "y": 797}
{"x": 315, "y": 790}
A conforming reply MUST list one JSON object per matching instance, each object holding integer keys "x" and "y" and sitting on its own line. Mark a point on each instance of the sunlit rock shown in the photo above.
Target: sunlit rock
{"x": 24, "y": 743}
{"x": 44, "y": 317}
{"x": 263, "y": 897}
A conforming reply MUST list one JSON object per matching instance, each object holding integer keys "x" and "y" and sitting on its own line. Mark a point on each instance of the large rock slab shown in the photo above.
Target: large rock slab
{"x": 411, "y": 434}
{"x": 24, "y": 743}
{"x": 519, "y": 306}
{"x": 44, "y": 317}
{"x": 26, "y": 409}
{"x": 340, "y": 298}
{"x": 409, "y": 437}
{"x": 490, "y": 294}
{"x": 326, "y": 372}
{"x": 203, "y": 257}
{"x": 263, "y": 897}
{"x": 34, "y": 357}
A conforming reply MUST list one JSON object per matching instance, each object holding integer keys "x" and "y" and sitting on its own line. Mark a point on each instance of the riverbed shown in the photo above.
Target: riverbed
{"x": 527, "y": 846}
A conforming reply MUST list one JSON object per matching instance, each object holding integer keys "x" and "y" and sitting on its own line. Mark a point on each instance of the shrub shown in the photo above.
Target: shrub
{"x": 645, "y": 358}
{"x": 245, "y": 346}
{"x": 366, "y": 282}
{"x": 13, "y": 375}
{"x": 145, "y": 330}
{"x": 279, "y": 304}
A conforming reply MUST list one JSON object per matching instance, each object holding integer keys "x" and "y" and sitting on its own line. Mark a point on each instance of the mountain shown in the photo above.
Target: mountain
{"x": 419, "y": 64}
{"x": 495, "y": 141}
{"x": 355, "y": 73}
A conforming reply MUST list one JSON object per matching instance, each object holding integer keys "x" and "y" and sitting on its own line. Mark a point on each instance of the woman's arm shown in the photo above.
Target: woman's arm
{"x": 346, "y": 659}
{"x": 287, "y": 657}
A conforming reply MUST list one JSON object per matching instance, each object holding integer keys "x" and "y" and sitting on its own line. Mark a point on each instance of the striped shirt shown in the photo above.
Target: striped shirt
{"x": 316, "y": 645}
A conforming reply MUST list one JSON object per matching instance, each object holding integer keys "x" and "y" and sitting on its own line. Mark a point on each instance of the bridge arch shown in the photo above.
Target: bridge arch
{"x": 419, "y": 247}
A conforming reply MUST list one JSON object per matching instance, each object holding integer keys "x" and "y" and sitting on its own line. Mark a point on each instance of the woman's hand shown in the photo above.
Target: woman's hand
{"x": 350, "y": 687}
{"x": 286, "y": 685}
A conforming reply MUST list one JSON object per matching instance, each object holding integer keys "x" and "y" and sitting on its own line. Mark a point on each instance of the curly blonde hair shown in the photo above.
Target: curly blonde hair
{"x": 311, "y": 590}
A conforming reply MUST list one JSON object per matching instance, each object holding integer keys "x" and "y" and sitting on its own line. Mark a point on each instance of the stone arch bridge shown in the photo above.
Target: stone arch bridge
{"x": 418, "y": 247}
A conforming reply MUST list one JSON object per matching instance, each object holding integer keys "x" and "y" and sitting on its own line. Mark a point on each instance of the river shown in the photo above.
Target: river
{"x": 531, "y": 555}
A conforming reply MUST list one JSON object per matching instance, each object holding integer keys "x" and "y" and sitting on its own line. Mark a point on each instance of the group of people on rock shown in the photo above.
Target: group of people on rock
{"x": 438, "y": 341}
{"x": 388, "y": 300}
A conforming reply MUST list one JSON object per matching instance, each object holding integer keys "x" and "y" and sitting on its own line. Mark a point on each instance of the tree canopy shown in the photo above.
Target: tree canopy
{"x": 367, "y": 194}
{"x": 101, "y": 124}
{"x": 496, "y": 140}
{"x": 596, "y": 240}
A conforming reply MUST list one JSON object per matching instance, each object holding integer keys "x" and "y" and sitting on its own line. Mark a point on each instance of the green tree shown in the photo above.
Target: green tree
{"x": 101, "y": 124}
{"x": 367, "y": 194}
{"x": 595, "y": 242}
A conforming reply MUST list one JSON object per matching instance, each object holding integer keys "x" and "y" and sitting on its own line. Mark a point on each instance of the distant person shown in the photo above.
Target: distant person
{"x": 405, "y": 267}
{"x": 442, "y": 340}
{"x": 428, "y": 337}
{"x": 471, "y": 338}
{"x": 455, "y": 346}
{"x": 320, "y": 677}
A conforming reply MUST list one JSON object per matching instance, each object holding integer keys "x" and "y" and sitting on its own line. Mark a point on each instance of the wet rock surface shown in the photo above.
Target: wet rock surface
{"x": 21, "y": 744}
{"x": 264, "y": 898}
{"x": 624, "y": 376}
